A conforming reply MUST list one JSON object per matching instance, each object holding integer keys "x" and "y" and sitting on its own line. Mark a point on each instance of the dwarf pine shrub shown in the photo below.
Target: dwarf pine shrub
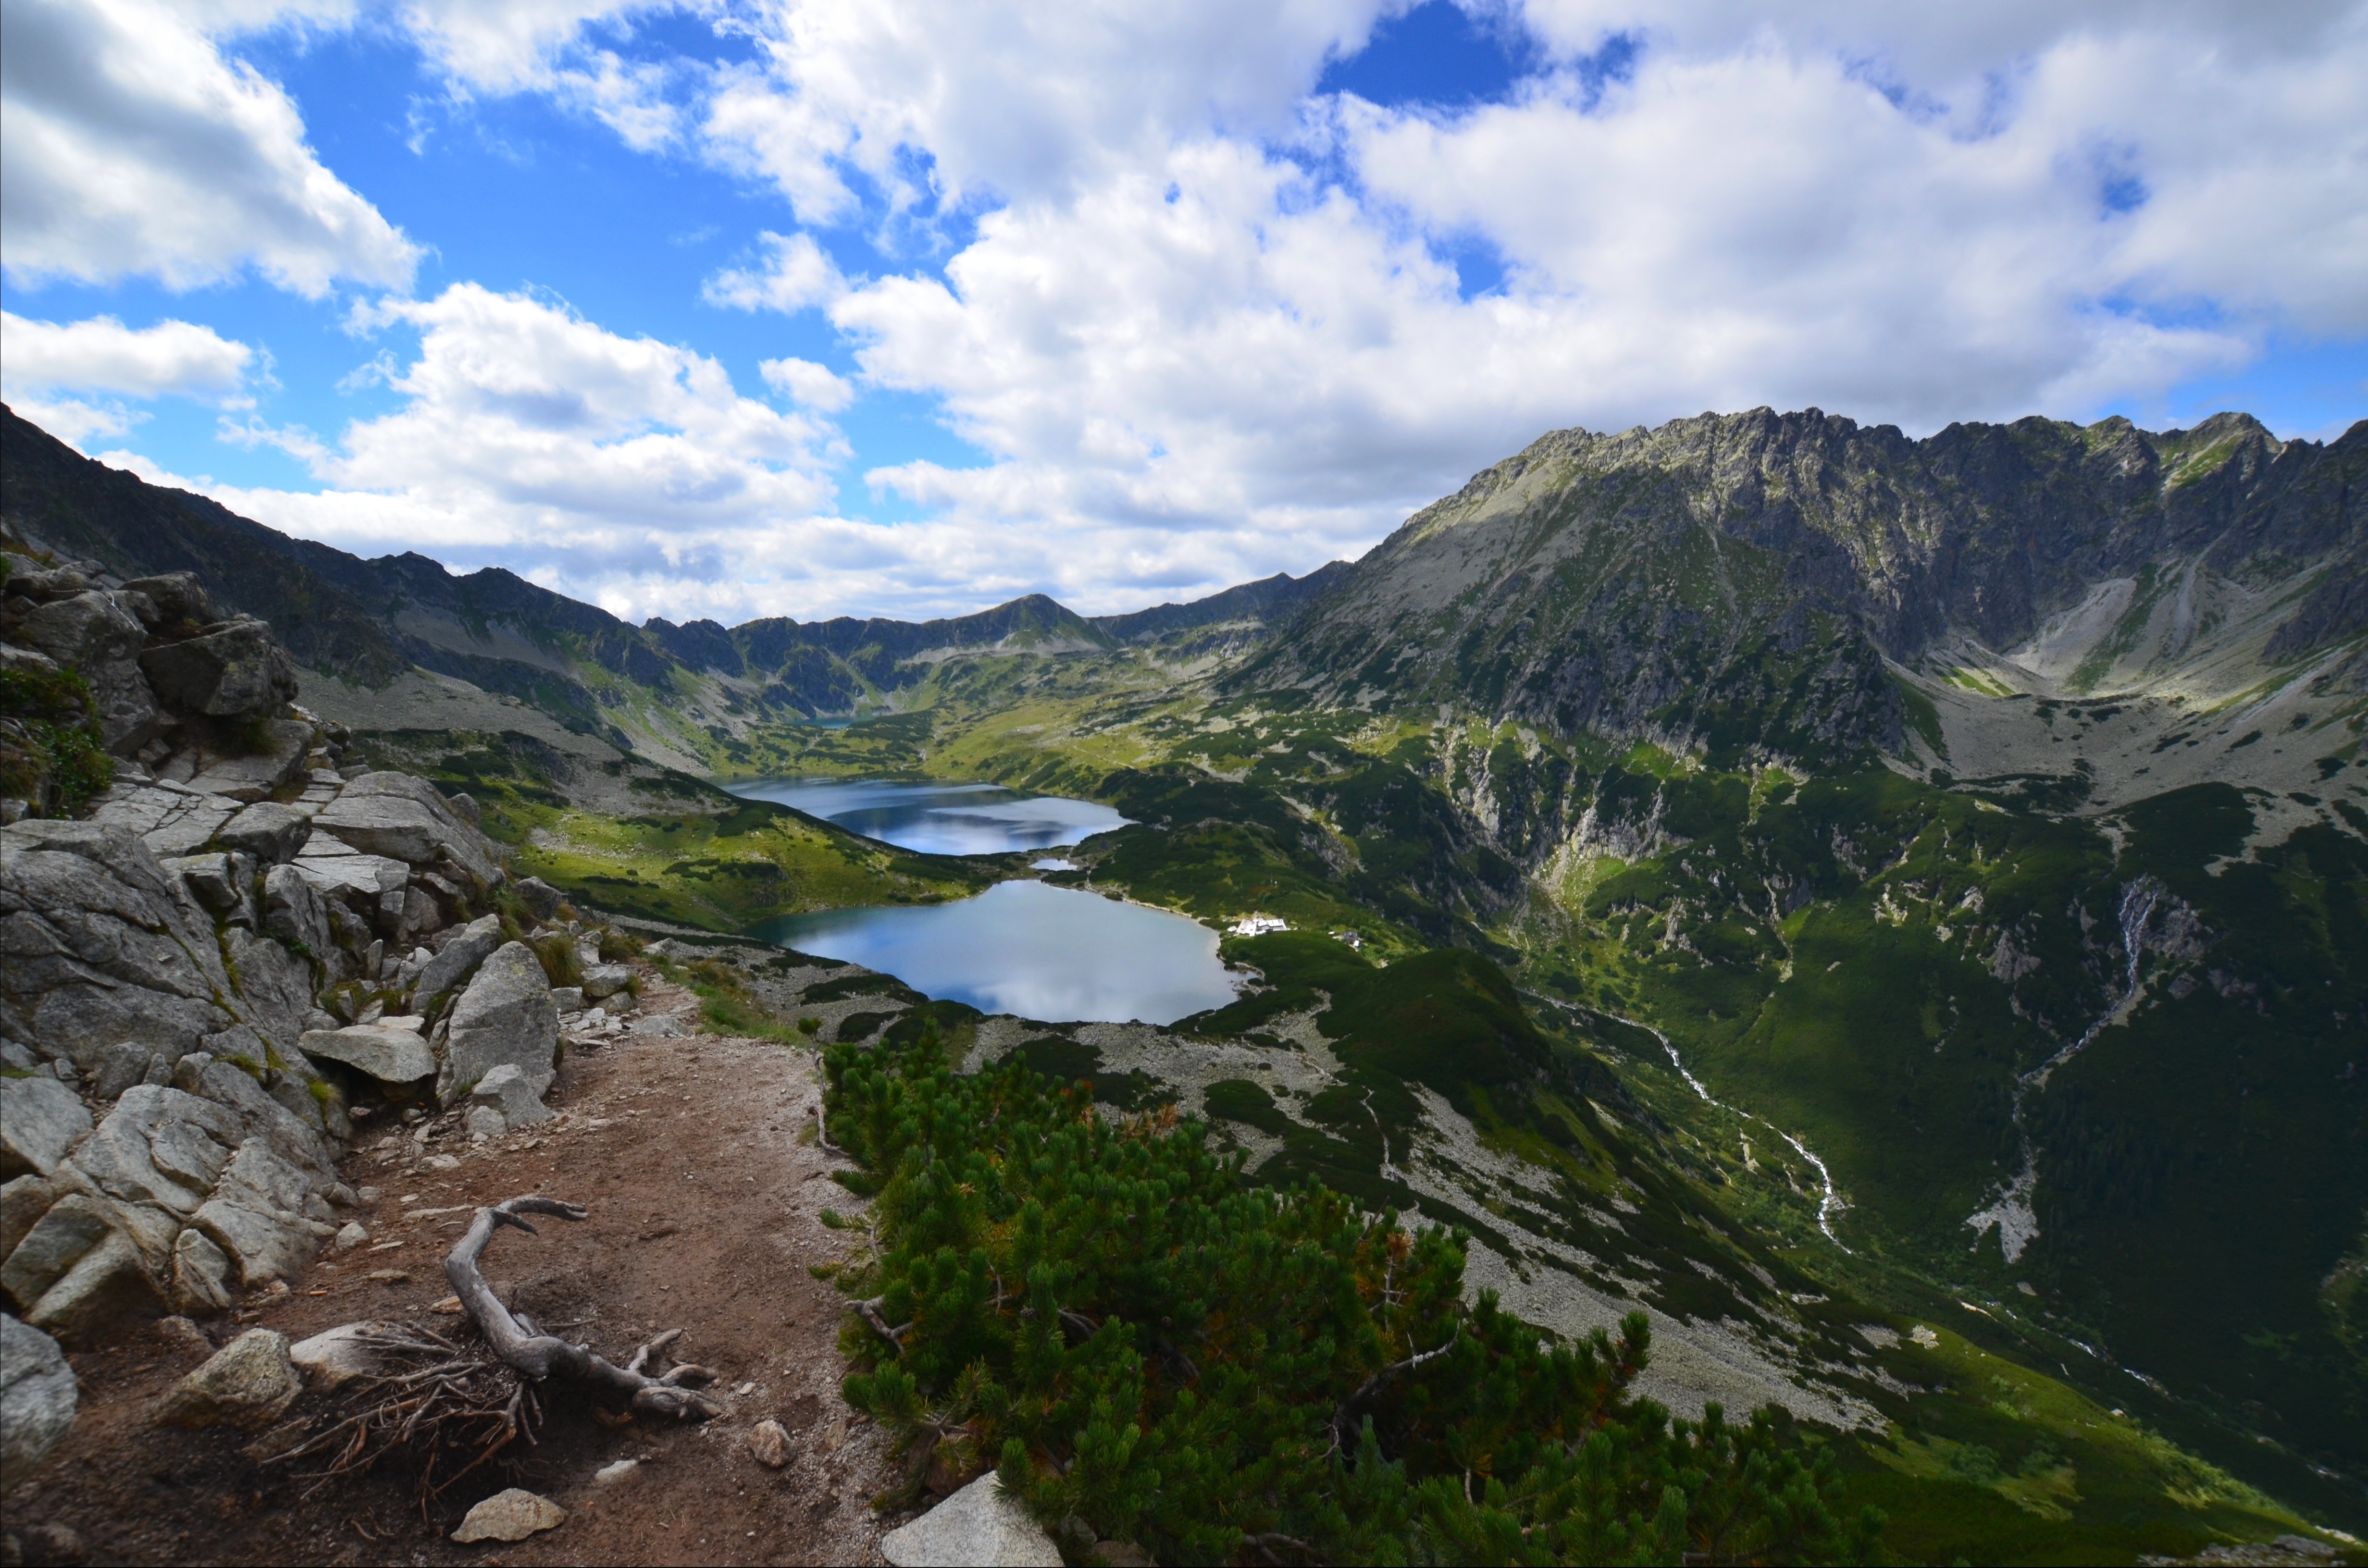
{"x": 1150, "y": 1349}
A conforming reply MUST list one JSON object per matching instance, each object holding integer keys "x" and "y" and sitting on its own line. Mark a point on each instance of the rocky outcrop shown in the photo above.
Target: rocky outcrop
{"x": 403, "y": 818}
{"x": 226, "y": 672}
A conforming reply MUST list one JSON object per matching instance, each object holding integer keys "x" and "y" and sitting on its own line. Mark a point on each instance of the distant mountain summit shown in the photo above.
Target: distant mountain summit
{"x": 1809, "y": 586}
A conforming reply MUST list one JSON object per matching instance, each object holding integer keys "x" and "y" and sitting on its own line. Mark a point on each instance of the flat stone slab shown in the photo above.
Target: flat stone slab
{"x": 386, "y": 1051}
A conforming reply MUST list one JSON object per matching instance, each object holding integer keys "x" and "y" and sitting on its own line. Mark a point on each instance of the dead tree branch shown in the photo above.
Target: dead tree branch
{"x": 536, "y": 1357}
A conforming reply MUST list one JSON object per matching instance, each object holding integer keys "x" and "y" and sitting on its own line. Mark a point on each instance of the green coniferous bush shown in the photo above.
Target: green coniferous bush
{"x": 1149, "y": 1349}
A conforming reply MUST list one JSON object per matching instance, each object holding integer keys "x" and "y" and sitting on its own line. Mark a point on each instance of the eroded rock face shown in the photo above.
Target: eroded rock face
{"x": 233, "y": 670}
{"x": 100, "y": 944}
{"x": 36, "y": 1399}
{"x": 94, "y": 634}
{"x": 40, "y": 1119}
{"x": 294, "y": 912}
{"x": 270, "y": 832}
{"x": 504, "y": 1018}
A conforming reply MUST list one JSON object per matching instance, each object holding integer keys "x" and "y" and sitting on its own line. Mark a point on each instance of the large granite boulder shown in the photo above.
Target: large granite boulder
{"x": 506, "y": 1016}
{"x": 270, "y": 832}
{"x": 98, "y": 944}
{"x": 404, "y": 819}
{"x": 388, "y": 1052}
{"x": 40, "y": 1119}
{"x": 95, "y": 634}
{"x": 36, "y": 1399}
{"x": 457, "y": 958}
{"x": 234, "y": 670}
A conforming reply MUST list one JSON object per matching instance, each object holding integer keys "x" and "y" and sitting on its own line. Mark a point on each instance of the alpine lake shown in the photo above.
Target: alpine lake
{"x": 1057, "y": 955}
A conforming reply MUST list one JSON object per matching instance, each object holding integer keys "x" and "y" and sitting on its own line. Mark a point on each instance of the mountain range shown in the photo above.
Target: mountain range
{"x": 1957, "y": 847}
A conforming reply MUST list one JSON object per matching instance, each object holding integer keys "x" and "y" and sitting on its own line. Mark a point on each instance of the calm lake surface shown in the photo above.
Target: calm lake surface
{"x": 940, "y": 819}
{"x": 1041, "y": 952}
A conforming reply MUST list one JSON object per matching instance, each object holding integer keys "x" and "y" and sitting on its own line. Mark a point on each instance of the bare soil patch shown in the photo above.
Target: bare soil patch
{"x": 703, "y": 1203}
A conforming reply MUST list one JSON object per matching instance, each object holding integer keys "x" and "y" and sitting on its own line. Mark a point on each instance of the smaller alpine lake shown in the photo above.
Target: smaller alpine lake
{"x": 939, "y": 819}
{"x": 1053, "y": 954}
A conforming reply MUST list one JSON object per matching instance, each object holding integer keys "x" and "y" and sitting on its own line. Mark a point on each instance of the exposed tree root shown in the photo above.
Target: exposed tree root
{"x": 535, "y": 1355}
{"x": 445, "y": 1402}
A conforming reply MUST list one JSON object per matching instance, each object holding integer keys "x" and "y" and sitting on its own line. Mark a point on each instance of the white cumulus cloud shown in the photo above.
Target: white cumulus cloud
{"x": 128, "y": 145}
{"x": 72, "y": 379}
{"x": 792, "y": 273}
{"x": 803, "y": 382}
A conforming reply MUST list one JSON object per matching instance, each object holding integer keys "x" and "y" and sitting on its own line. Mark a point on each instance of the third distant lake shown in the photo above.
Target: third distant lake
{"x": 939, "y": 819}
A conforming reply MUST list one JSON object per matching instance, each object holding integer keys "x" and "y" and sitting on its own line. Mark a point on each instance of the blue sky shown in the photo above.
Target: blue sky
{"x": 908, "y": 306}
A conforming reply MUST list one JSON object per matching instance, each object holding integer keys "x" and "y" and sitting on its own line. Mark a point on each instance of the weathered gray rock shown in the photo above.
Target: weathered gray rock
{"x": 979, "y": 1525}
{"x": 512, "y": 1093}
{"x": 222, "y": 882}
{"x": 567, "y": 999}
{"x": 341, "y": 872}
{"x": 23, "y": 1201}
{"x": 100, "y": 944}
{"x": 458, "y": 958}
{"x": 254, "y": 775}
{"x": 247, "y": 1383}
{"x": 606, "y": 980}
{"x": 404, "y": 819}
{"x": 275, "y": 986}
{"x": 159, "y": 1146}
{"x": 119, "y": 1067}
{"x": 179, "y": 597}
{"x": 485, "y": 1121}
{"x": 93, "y": 635}
{"x": 171, "y": 819}
{"x": 204, "y": 1280}
{"x": 504, "y": 1017}
{"x": 267, "y": 1217}
{"x": 294, "y": 913}
{"x": 61, "y": 1237}
{"x": 337, "y": 1356}
{"x": 354, "y": 1235}
{"x": 271, "y": 833}
{"x": 40, "y": 1119}
{"x": 36, "y": 1399}
{"x": 513, "y": 1514}
{"x": 389, "y": 1051}
{"x": 541, "y": 900}
{"x": 107, "y": 1290}
{"x": 234, "y": 670}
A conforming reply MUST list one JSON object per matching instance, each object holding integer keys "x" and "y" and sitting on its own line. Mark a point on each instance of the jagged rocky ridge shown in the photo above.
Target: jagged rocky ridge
{"x": 1751, "y": 580}
{"x": 366, "y": 621}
